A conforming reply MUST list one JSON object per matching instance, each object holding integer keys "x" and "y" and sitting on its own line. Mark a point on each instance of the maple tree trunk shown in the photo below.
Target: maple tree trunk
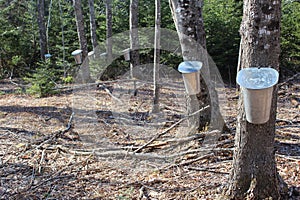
{"x": 82, "y": 40}
{"x": 42, "y": 28}
{"x": 189, "y": 23}
{"x": 254, "y": 174}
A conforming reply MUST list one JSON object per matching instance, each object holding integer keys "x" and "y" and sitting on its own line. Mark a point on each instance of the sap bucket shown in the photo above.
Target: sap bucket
{"x": 126, "y": 54}
{"x": 78, "y": 56}
{"x": 257, "y": 87}
{"x": 191, "y": 76}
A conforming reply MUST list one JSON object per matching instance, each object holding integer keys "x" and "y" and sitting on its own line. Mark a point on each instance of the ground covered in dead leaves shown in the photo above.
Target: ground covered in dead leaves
{"x": 42, "y": 155}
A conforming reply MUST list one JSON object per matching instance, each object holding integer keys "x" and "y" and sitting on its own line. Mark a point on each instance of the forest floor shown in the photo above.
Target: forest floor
{"x": 49, "y": 151}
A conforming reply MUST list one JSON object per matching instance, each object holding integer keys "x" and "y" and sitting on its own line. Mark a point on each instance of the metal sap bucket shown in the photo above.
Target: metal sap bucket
{"x": 126, "y": 54}
{"x": 257, "y": 87}
{"x": 191, "y": 76}
{"x": 47, "y": 56}
{"x": 77, "y": 55}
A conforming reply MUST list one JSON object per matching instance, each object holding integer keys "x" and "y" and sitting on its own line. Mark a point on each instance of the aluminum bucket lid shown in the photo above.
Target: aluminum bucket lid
{"x": 76, "y": 52}
{"x": 189, "y": 67}
{"x": 257, "y": 78}
{"x": 191, "y": 76}
{"x": 48, "y": 55}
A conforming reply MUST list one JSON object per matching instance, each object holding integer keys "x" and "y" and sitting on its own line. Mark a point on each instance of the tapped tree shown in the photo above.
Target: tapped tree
{"x": 254, "y": 174}
{"x": 82, "y": 39}
{"x": 80, "y": 28}
{"x": 189, "y": 23}
{"x": 290, "y": 33}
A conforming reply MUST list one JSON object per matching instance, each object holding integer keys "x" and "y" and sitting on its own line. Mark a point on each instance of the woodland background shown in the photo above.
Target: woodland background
{"x": 19, "y": 35}
{"x": 42, "y": 152}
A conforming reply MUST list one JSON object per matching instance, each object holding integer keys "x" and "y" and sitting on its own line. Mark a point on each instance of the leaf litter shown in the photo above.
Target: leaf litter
{"x": 42, "y": 155}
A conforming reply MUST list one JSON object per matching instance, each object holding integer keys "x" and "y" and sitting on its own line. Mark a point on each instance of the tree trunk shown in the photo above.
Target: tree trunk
{"x": 82, "y": 40}
{"x": 42, "y": 28}
{"x": 109, "y": 30}
{"x": 156, "y": 65}
{"x": 93, "y": 26}
{"x": 254, "y": 174}
{"x": 134, "y": 38}
{"x": 63, "y": 38}
{"x": 188, "y": 19}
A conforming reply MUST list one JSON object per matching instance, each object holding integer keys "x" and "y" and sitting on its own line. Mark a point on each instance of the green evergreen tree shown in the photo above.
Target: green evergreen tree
{"x": 19, "y": 46}
{"x": 290, "y": 37}
{"x": 222, "y": 22}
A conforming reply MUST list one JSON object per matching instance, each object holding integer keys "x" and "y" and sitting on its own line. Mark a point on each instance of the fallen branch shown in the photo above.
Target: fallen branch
{"x": 143, "y": 193}
{"x": 294, "y": 158}
{"x": 172, "y": 109}
{"x": 55, "y": 176}
{"x": 22, "y": 86}
{"x": 289, "y": 79}
{"x": 41, "y": 161}
{"x": 179, "y": 141}
{"x": 81, "y": 86}
{"x": 169, "y": 129}
{"x": 206, "y": 170}
{"x": 47, "y": 139}
{"x": 188, "y": 162}
{"x": 121, "y": 154}
{"x": 187, "y": 139}
{"x": 215, "y": 186}
{"x": 287, "y": 126}
{"x": 201, "y": 150}
{"x": 58, "y": 133}
{"x": 111, "y": 95}
{"x": 284, "y": 120}
{"x": 51, "y": 179}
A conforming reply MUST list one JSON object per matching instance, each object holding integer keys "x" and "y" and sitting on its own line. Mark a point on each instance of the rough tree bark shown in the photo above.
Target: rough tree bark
{"x": 109, "y": 29}
{"x": 82, "y": 39}
{"x": 156, "y": 65}
{"x": 254, "y": 174}
{"x": 42, "y": 28}
{"x": 189, "y": 23}
{"x": 80, "y": 28}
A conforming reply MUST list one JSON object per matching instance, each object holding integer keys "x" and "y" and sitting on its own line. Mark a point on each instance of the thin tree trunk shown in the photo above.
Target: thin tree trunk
{"x": 93, "y": 26}
{"x": 63, "y": 38}
{"x": 109, "y": 29}
{"x": 42, "y": 28}
{"x": 254, "y": 174}
{"x": 156, "y": 66}
{"x": 82, "y": 40}
{"x": 134, "y": 38}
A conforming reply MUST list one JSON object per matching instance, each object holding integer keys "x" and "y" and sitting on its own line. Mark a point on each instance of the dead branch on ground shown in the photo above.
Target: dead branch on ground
{"x": 168, "y": 129}
{"x": 289, "y": 79}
